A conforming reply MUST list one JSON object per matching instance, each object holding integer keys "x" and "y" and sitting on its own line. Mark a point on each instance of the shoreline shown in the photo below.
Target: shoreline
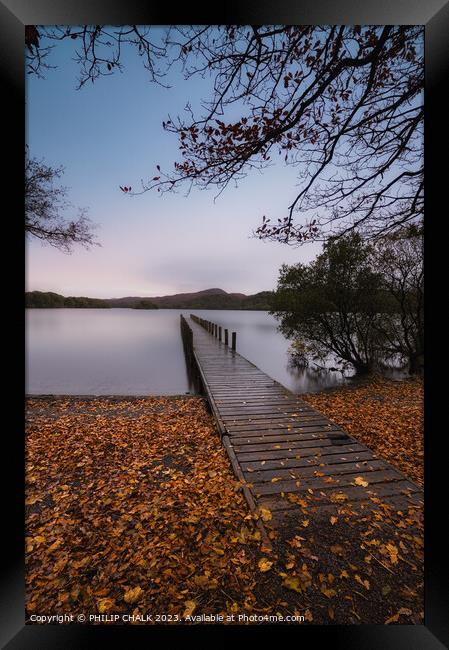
{"x": 93, "y": 396}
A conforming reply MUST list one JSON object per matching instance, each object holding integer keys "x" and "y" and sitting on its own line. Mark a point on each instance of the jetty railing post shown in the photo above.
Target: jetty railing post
{"x": 234, "y": 340}
{"x": 219, "y": 333}
{"x": 216, "y": 331}
{"x": 226, "y": 337}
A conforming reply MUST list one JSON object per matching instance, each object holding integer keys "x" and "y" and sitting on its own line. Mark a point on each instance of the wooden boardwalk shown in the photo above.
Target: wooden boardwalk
{"x": 287, "y": 452}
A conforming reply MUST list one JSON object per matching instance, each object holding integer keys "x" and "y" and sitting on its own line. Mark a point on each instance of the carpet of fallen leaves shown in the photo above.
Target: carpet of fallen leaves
{"x": 384, "y": 414}
{"x": 132, "y": 508}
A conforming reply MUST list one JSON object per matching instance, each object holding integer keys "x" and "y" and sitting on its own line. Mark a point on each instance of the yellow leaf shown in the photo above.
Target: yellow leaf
{"x": 105, "y": 605}
{"x": 32, "y": 500}
{"x": 133, "y": 595}
{"x": 293, "y": 583}
{"x": 264, "y": 564}
{"x": 339, "y": 496}
{"x": 393, "y": 552}
{"x": 360, "y": 481}
{"x": 190, "y": 608}
{"x": 392, "y": 619}
{"x": 265, "y": 514}
{"x": 365, "y": 583}
{"x": 295, "y": 499}
{"x": 55, "y": 545}
{"x": 333, "y": 520}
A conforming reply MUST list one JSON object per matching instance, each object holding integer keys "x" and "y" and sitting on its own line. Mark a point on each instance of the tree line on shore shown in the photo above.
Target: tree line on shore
{"x": 208, "y": 299}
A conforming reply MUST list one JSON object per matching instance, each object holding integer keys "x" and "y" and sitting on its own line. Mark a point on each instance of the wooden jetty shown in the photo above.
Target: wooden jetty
{"x": 285, "y": 451}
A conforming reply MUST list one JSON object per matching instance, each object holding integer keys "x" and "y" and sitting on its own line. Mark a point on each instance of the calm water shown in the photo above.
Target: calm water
{"x": 133, "y": 352}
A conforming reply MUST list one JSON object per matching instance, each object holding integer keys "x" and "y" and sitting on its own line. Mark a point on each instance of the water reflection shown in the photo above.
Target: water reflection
{"x": 259, "y": 341}
{"x": 133, "y": 352}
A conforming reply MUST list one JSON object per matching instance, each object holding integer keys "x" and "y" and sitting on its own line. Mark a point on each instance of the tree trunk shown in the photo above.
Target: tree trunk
{"x": 416, "y": 364}
{"x": 363, "y": 368}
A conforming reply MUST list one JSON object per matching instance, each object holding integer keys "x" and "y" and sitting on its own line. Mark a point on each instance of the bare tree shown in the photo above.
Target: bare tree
{"x": 342, "y": 104}
{"x": 46, "y": 205}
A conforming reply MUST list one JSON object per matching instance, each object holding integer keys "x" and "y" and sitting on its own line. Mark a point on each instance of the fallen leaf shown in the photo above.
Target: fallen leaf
{"x": 264, "y": 564}
{"x": 133, "y": 595}
{"x": 190, "y": 606}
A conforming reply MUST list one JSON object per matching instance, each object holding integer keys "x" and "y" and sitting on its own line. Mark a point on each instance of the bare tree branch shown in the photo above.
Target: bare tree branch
{"x": 46, "y": 206}
{"x": 343, "y": 105}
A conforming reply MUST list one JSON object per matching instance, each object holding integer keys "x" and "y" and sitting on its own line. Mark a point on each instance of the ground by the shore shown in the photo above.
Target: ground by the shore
{"x": 132, "y": 508}
{"x": 384, "y": 414}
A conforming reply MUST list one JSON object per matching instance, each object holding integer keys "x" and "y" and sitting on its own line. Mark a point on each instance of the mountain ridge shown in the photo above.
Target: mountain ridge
{"x": 214, "y": 298}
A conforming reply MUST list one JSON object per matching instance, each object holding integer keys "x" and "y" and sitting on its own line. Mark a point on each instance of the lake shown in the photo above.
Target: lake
{"x": 139, "y": 352}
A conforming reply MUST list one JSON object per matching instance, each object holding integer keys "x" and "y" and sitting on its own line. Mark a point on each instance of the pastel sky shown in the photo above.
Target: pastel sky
{"x": 110, "y": 133}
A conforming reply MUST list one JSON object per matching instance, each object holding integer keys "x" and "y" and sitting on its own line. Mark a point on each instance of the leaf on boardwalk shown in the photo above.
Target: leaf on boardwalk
{"x": 265, "y": 514}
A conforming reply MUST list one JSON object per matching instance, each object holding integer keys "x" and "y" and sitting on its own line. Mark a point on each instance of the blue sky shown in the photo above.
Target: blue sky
{"x": 110, "y": 133}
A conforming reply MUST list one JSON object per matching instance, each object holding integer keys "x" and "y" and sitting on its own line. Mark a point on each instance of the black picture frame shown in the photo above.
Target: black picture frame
{"x": 434, "y": 14}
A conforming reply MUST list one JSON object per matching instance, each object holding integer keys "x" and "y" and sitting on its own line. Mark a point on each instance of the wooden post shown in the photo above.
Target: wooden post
{"x": 219, "y": 333}
{"x": 216, "y": 331}
{"x": 226, "y": 337}
{"x": 234, "y": 340}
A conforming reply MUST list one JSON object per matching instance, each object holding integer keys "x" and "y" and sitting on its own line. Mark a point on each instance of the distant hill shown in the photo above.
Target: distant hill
{"x": 53, "y": 300}
{"x": 207, "y": 299}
